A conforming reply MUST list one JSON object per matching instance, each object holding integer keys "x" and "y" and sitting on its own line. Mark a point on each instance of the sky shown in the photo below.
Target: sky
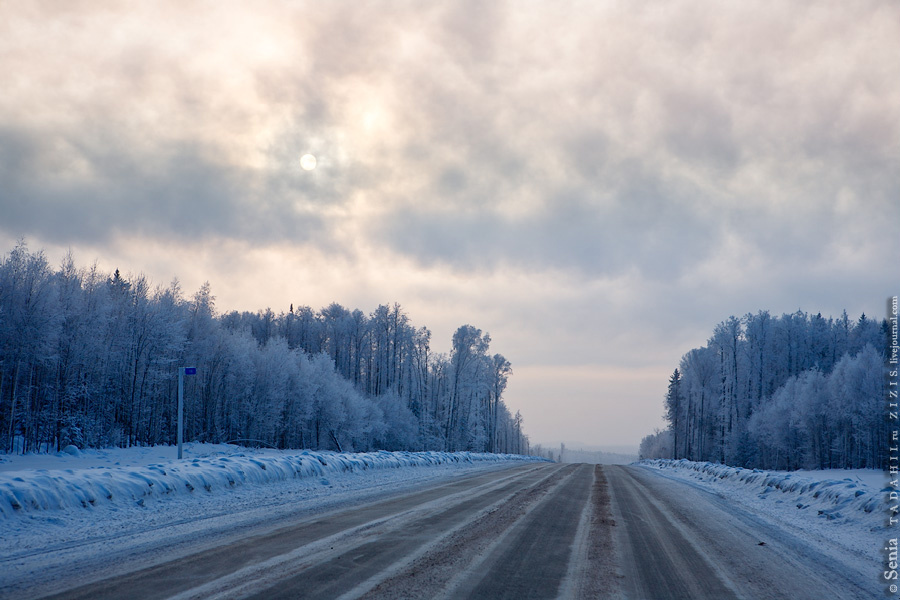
{"x": 596, "y": 184}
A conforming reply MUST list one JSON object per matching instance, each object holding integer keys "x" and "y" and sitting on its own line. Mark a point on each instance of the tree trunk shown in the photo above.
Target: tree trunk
{"x": 335, "y": 440}
{"x": 12, "y": 407}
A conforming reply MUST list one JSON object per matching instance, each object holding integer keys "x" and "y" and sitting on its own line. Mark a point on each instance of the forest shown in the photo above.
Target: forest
{"x": 91, "y": 359}
{"x": 790, "y": 392}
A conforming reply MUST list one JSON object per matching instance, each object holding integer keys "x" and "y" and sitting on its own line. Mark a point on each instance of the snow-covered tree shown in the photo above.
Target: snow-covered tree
{"x": 795, "y": 391}
{"x": 91, "y": 359}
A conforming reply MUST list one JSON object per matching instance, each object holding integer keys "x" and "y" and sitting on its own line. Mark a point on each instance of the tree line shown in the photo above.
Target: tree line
{"x": 91, "y": 358}
{"x": 789, "y": 392}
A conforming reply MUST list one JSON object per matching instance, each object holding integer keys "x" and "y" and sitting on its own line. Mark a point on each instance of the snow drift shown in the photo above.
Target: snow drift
{"x": 831, "y": 499}
{"x": 28, "y": 491}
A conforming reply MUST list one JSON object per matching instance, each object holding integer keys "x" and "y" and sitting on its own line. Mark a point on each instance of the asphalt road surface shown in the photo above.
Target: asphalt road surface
{"x": 674, "y": 540}
{"x": 529, "y": 531}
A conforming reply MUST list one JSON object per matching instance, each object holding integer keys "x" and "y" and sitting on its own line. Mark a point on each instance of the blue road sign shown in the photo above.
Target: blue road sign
{"x": 190, "y": 370}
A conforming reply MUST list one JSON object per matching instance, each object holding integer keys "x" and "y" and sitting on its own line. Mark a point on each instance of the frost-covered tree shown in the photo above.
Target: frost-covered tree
{"x": 29, "y": 326}
{"x": 795, "y": 391}
{"x": 675, "y": 414}
{"x": 91, "y": 359}
{"x": 656, "y": 445}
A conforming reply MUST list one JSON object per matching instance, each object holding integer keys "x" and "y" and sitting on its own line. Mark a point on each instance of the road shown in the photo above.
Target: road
{"x": 677, "y": 541}
{"x": 530, "y": 531}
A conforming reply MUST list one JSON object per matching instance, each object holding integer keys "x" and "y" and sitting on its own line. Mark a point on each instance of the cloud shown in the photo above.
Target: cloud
{"x": 556, "y": 173}
{"x": 607, "y": 114}
{"x": 62, "y": 189}
{"x": 649, "y": 229}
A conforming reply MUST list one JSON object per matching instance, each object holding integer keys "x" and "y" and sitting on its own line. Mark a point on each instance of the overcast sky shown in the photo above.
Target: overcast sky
{"x": 596, "y": 184}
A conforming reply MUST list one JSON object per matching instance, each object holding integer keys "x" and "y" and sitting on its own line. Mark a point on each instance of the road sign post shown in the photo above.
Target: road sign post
{"x": 182, "y": 371}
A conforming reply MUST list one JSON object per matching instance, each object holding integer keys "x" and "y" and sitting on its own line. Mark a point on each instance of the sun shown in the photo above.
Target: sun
{"x": 308, "y": 162}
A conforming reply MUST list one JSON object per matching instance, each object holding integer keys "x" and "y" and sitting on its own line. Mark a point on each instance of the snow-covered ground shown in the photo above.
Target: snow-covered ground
{"x": 136, "y": 476}
{"x": 848, "y": 507}
{"x": 56, "y": 509}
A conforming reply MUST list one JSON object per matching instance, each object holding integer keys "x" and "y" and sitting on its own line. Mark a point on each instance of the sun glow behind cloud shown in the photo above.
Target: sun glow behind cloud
{"x": 594, "y": 183}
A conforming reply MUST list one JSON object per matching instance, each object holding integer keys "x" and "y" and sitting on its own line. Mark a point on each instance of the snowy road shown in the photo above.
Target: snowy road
{"x": 472, "y": 537}
{"x": 677, "y": 541}
{"x": 528, "y": 531}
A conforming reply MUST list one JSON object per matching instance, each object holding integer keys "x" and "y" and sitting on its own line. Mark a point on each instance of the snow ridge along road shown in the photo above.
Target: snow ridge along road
{"x": 532, "y": 530}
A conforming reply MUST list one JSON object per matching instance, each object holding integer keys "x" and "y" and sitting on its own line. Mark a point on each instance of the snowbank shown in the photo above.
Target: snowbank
{"x": 852, "y": 498}
{"x": 30, "y": 490}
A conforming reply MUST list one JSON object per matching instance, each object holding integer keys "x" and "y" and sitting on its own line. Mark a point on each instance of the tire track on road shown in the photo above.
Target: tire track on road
{"x": 657, "y": 560}
{"x": 593, "y": 570}
{"x": 678, "y": 541}
{"x": 364, "y": 565}
{"x": 533, "y": 558}
{"x": 173, "y": 577}
{"x": 440, "y": 569}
